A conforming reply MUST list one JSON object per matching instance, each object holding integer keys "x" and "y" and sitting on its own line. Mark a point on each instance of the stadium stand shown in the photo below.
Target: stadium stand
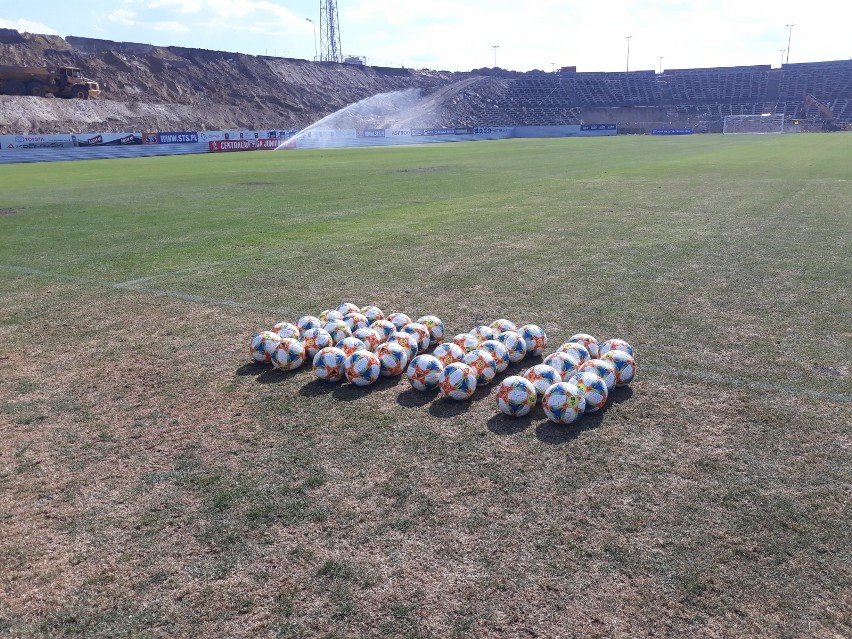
{"x": 689, "y": 96}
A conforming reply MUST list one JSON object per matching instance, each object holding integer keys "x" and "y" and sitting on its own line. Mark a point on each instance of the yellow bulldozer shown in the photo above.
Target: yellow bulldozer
{"x": 63, "y": 82}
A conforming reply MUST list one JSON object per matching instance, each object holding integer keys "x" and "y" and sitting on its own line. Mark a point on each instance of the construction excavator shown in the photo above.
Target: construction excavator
{"x": 828, "y": 117}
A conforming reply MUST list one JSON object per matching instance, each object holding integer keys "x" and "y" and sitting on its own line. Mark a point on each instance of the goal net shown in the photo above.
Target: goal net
{"x": 766, "y": 123}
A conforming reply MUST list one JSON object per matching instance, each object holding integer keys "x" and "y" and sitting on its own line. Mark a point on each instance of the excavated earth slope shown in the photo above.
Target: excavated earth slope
{"x": 145, "y": 87}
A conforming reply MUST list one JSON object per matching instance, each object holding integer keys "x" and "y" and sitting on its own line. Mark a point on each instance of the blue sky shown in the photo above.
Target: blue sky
{"x": 461, "y": 35}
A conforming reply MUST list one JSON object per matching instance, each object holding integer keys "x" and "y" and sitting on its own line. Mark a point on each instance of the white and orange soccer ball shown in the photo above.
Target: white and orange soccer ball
{"x": 625, "y": 365}
{"x": 345, "y": 308}
{"x": 484, "y": 365}
{"x": 502, "y": 325}
{"x": 369, "y": 336}
{"x": 435, "y": 326}
{"x": 362, "y": 368}
{"x": 286, "y": 329}
{"x": 564, "y": 363}
{"x": 542, "y": 377}
{"x": 448, "y": 352}
{"x": 407, "y": 341}
{"x": 338, "y": 329}
{"x": 498, "y": 352}
{"x": 466, "y": 342}
{"x": 483, "y": 333}
{"x": 576, "y": 350}
{"x": 329, "y": 363}
{"x": 398, "y": 319}
{"x": 457, "y": 381}
{"x": 288, "y": 354}
{"x": 604, "y": 368}
{"x": 308, "y": 321}
{"x": 315, "y": 339}
{"x": 351, "y": 344}
{"x": 516, "y": 396}
{"x": 393, "y": 358}
{"x": 384, "y": 328}
{"x": 420, "y": 333}
{"x": 515, "y": 345}
{"x": 356, "y": 320}
{"x": 329, "y": 315}
{"x": 372, "y": 313}
{"x": 534, "y": 337}
{"x": 593, "y": 389}
{"x": 424, "y": 372}
{"x": 588, "y": 341}
{"x": 563, "y": 403}
{"x": 262, "y": 346}
{"x": 616, "y": 344}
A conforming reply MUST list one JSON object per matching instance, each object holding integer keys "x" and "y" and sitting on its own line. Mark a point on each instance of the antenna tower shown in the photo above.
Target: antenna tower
{"x": 330, "y": 49}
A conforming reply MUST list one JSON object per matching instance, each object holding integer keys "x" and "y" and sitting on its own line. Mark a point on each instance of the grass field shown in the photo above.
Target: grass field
{"x": 153, "y": 483}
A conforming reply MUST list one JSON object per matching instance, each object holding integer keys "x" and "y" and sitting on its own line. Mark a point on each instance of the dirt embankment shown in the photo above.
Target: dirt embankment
{"x": 173, "y": 88}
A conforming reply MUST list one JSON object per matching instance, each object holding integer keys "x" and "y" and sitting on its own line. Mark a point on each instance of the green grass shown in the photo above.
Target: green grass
{"x": 156, "y": 484}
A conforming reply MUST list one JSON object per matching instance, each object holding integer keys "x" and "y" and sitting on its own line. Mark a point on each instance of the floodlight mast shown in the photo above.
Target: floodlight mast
{"x": 330, "y": 49}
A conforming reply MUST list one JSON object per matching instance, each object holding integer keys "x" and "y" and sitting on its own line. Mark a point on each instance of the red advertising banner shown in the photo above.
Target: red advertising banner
{"x": 262, "y": 144}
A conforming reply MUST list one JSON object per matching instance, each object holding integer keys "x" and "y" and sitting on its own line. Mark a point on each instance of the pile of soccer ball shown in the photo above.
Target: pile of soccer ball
{"x": 363, "y": 344}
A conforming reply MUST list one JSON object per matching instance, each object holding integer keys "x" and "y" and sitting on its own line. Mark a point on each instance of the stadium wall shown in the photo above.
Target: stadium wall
{"x": 95, "y": 146}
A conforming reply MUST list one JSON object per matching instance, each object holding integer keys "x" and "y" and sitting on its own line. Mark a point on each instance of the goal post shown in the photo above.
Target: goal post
{"x": 765, "y": 123}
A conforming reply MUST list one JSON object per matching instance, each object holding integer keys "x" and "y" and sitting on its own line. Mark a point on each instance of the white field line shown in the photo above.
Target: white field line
{"x": 681, "y": 373}
{"x": 182, "y": 271}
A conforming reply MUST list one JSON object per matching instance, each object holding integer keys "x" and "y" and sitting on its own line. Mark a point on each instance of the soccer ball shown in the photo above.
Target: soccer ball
{"x": 309, "y": 321}
{"x": 369, "y": 336}
{"x": 457, "y": 381}
{"x": 338, "y": 329}
{"x": 502, "y": 325}
{"x": 407, "y": 341}
{"x": 315, "y": 339}
{"x": 351, "y": 344}
{"x": 576, "y": 350}
{"x": 566, "y": 365}
{"x": 448, "y": 352}
{"x": 625, "y": 366}
{"x": 372, "y": 313}
{"x": 588, "y": 341}
{"x": 483, "y": 333}
{"x": 435, "y": 326}
{"x": 399, "y": 320}
{"x": 330, "y": 314}
{"x": 605, "y": 370}
{"x": 542, "y": 377}
{"x": 615, "y": 344}
{"x": 498, "y": 352}
{"x": 328, "y": 364}
{"x": 563, "y": 403}
{"x": 516, "y": 396}
{"x": 348, "y": 307}
{"x": 484, "y": 365}
{"x": 515, "y": 344}
{"x": 466, "y": 342}
{"x": 420, "y": 333}
{"x": 362, "y": 368}
{"x": 593, "y": 389}
{"x": 384, "y": 328}
{"x": 534, "y": 337}
{"x": 356, "y": 320}
{"x": 393, "y": 358}
{"x": 288, "y": 355}
{"x": 286, "y": 329}
{"x": 424, "y": 372}
{"x": 262, "y": 346}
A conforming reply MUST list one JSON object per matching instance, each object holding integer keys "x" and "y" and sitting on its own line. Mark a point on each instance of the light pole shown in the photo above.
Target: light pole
{"x": 789, "y": 37}
{"x": 553, "y": 67}
{"x": 495, "y": 47}
{"x": 628, "y": 53}
{"x": 661, "y": 65}
{"x": 313, "y": 24}
{"x": 782, "y": 57}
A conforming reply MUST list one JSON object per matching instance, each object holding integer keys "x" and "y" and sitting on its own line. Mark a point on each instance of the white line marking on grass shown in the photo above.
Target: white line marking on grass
{"x": 182, "y": 271}
{"x": 682, "y": 373}
{"x": 730, "y": 380}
